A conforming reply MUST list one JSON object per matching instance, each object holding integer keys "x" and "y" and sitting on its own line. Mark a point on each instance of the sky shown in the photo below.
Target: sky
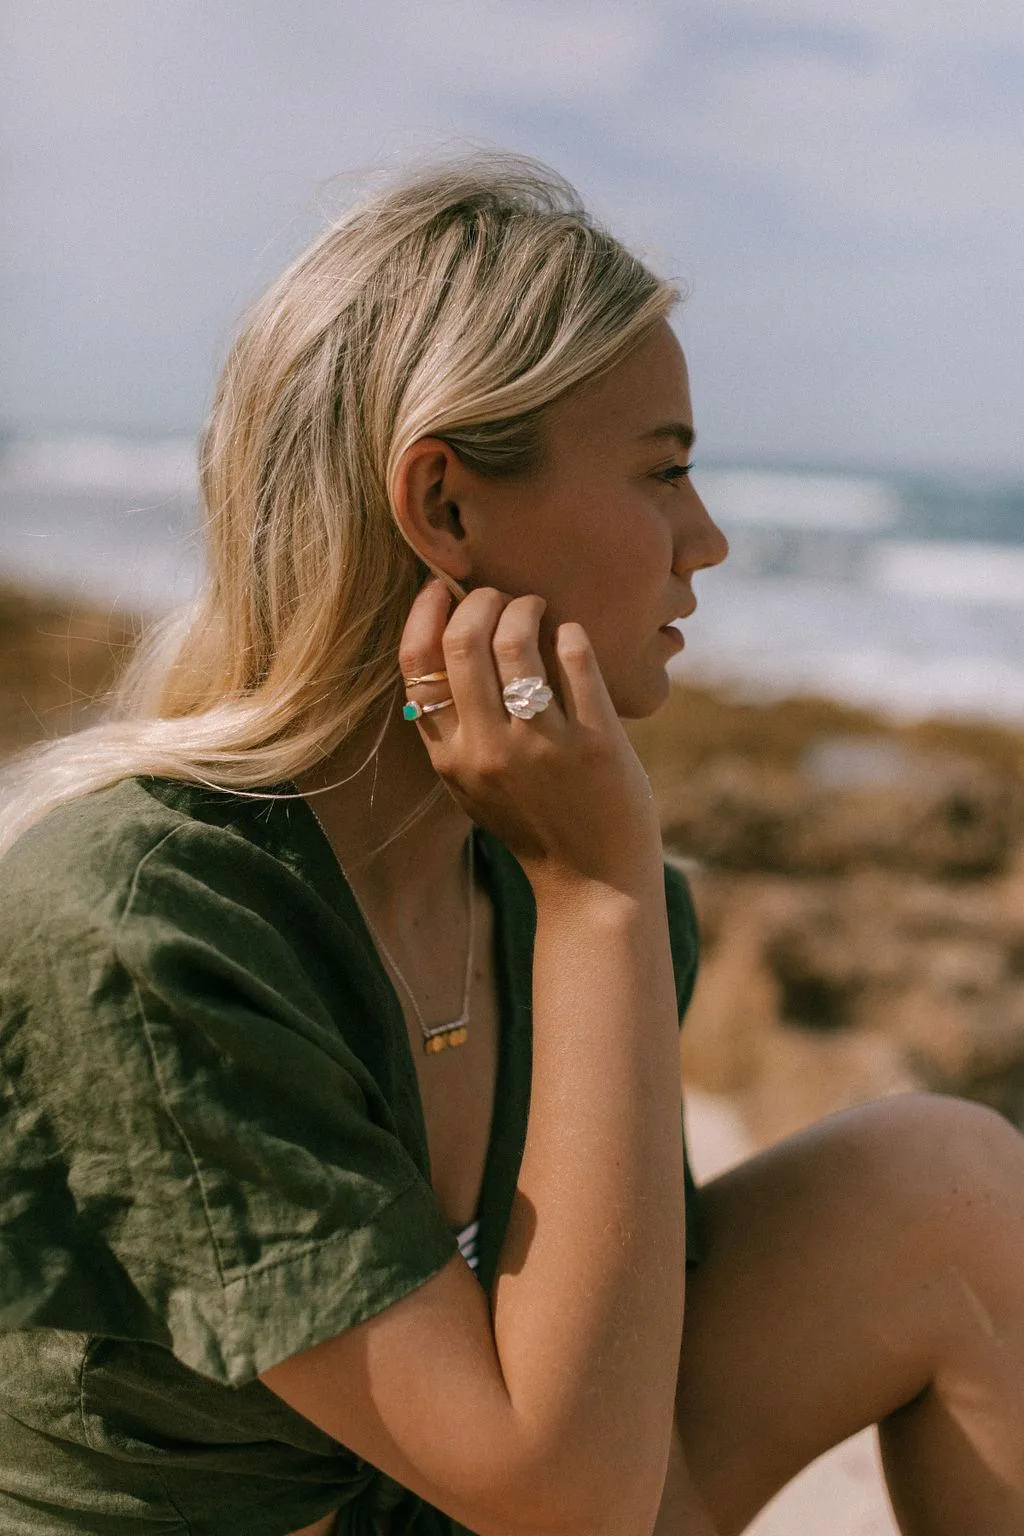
{"x": 840, "y": 186}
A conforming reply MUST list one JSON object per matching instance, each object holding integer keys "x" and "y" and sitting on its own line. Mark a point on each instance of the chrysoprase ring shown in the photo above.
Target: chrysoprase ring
{"x": 412, "y": 711}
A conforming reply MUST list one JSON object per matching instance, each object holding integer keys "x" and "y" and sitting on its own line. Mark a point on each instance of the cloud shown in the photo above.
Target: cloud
{"x": 841, "y": 182}
{"x": 855, "y": 142}
{"x": 910, "y": 23}
{"x": 542, "y": 52}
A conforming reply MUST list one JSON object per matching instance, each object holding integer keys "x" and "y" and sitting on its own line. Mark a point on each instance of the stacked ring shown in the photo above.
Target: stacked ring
{"x": 426, "y": 677}
{"x": 523, "y": 697}
{"x": 412, "y": 711}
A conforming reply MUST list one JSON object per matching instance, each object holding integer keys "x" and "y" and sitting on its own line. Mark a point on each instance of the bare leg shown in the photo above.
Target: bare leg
{"x": 868, "y": 1270}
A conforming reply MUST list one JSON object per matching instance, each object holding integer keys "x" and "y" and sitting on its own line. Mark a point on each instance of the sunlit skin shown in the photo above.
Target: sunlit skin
{"x": 609, "y": 530}
{"x": 869, "y": 1270}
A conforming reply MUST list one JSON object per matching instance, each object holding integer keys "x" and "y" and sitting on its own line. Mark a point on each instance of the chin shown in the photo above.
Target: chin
{"x": 634, "y": 703}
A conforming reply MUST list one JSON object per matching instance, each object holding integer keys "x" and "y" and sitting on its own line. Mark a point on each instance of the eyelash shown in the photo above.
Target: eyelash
{"x": 675, "y": 473}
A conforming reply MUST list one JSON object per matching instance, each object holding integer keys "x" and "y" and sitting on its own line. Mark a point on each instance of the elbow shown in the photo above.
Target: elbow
{"x": 602, "y": 1497}
{"x": 627, "y": 1520}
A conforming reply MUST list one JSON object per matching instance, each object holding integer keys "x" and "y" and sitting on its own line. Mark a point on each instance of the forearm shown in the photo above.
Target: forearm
{"x": 588, "y": 1303}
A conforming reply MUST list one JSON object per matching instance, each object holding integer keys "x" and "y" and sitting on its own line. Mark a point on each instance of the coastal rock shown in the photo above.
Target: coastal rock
{"x": 821, "y": 993}
{"x": 942, "y": 817}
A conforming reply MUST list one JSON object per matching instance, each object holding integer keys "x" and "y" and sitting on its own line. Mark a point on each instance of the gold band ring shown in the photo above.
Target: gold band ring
{"x": 427, "y": 677}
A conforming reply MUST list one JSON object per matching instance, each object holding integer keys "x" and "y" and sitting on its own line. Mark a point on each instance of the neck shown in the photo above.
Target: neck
{"x": 362, "y": 800}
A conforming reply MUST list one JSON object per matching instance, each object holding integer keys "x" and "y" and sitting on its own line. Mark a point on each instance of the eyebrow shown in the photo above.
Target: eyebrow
{"x": 680, "y": 430}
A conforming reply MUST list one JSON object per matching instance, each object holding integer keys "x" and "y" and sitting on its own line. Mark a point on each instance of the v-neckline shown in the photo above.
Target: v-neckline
{"x": 499, "y": 1145}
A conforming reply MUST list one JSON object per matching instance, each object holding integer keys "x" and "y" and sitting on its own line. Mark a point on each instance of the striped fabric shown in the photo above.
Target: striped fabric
{"x": 467, "y": 1243}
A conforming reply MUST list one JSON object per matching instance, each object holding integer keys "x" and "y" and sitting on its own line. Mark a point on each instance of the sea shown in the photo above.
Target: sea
{"x": 900, "y": 592}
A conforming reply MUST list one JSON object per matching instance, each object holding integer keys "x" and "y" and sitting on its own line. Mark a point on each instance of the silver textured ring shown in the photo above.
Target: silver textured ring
{"x": 412, "y": 711}
{"x": 525, "y": 697}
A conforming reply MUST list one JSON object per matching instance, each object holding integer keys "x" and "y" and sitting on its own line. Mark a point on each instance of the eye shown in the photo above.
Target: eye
{"x": 674, "y": 473}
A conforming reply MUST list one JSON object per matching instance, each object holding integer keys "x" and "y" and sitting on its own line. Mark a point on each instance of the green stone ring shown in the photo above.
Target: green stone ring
{"x": 412, "y": 711}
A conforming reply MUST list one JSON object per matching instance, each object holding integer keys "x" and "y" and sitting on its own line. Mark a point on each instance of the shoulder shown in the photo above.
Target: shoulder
{"x": 153, "y": 879}
{"x": 67, "y": 881}
{"x": 94, "y": 860}
{"x": 84, "y": 851}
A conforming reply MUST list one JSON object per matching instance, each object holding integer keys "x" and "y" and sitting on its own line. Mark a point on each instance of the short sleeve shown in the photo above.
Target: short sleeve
{"x": 683, "y": 935}
{"x": 193, "y": 1155}
{"x": 684, "y": 938}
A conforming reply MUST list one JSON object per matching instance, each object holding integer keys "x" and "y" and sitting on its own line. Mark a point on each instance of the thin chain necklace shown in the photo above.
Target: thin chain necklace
{"x": 436, "y": 1037}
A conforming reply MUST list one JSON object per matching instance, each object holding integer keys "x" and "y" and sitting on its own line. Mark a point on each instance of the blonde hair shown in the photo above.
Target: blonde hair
{"x": 458, "y": 304}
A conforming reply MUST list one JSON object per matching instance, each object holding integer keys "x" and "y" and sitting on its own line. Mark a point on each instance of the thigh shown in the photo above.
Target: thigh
{"x": 826, "y": 1296}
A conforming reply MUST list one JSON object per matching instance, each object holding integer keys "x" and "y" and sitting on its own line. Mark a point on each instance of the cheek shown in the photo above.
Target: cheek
{"x": 631, "y": 556}
{"x": 600, "y": 558}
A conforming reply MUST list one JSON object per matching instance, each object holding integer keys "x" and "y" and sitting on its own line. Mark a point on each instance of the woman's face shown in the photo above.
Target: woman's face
{"x": 609, "y": 530}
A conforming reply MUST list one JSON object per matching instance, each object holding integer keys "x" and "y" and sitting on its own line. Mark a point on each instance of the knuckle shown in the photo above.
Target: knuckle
{"x": 530, "y": 603}
{"x": 511, "y": 647}
{"x": 459, "y": 644}
{"x": 573, "y": 644}
{"x": 413, "y": 660}
{"x": 489, "y": 767}
{"x": 484, "y": 599}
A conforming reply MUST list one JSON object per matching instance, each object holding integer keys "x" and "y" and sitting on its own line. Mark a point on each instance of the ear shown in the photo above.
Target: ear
{"x": 427, "y": 489}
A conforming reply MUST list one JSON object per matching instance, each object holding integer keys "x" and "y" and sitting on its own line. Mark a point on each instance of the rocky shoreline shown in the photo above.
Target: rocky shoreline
{"x": 860, "y": 883}
{"x": 861, "y": 893}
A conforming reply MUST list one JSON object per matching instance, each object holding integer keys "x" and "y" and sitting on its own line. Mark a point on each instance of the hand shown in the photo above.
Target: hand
{"x": 564, "y": 791}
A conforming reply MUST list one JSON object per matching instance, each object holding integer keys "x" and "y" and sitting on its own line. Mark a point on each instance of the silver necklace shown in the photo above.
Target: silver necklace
{"x": 436, "y": 1037}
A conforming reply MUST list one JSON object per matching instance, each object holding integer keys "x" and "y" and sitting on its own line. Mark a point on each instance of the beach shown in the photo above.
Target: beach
{"x": 859, "y": 880}
{"x": 860, "y": 886}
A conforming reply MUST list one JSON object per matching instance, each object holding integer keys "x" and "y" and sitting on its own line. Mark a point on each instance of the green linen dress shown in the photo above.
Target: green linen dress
{"x": 213, "y": 1156}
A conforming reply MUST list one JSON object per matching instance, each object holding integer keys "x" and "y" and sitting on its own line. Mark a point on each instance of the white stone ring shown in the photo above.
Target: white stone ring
{"x": 525, "y": 697}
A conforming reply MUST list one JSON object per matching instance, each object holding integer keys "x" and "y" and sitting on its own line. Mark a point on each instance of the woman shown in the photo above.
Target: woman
{"x": 344, "y": 1184}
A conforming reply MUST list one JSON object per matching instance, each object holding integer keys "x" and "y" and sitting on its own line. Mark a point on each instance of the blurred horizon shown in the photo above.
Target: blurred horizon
{"x": 912, "y": 588}
{"x": 838, "y": 190}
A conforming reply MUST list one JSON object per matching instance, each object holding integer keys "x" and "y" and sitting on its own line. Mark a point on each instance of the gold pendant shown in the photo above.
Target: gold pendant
{"x": 456, "y": 1035}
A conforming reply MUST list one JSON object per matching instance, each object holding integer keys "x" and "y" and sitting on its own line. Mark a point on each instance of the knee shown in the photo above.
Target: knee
{"x": 955, "y": 1161}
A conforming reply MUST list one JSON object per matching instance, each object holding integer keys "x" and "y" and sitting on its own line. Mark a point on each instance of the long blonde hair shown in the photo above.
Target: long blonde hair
{"x": 457, "y": 304}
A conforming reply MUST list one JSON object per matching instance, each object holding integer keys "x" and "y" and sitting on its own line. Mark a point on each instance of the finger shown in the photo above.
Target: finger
{"x": 585, "y": 697}
{"x": 517, "y": 654}
{"x": 469, "y": 659}
{"x": 421, "y": 652}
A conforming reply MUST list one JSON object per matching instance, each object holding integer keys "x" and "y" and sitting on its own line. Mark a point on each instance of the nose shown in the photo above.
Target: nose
{"x": 701, "y": 544}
